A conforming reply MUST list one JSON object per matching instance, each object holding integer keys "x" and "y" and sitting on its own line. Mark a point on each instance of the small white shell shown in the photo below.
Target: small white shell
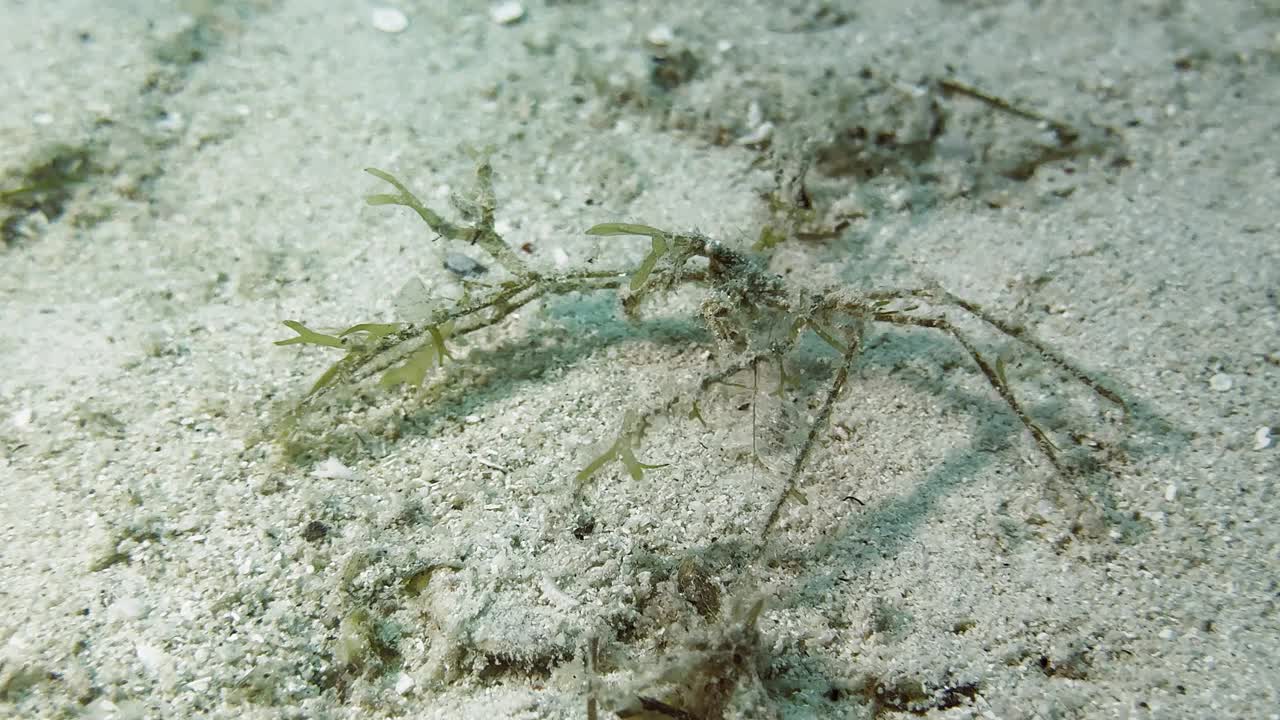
{"x": 506, "y": 13}
{"x": 388, "y": 20}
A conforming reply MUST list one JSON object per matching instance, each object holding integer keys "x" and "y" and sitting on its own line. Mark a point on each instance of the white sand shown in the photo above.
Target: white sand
{"x": 160, "y": 560}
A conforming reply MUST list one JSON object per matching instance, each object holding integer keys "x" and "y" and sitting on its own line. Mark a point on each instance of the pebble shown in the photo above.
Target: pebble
{"x": 1220, "y": 382}
{"x": 170, "y": 122}
{"x": 1262, "y": 439}
{"x": 463, "y": 265}
{"x": 389, "y": 20}
{"x": 560, "y": 257}
{"x": 126, "y": 608}
{"x": 506, "y": 13}
{"x": 332, "y": 469}
{"x": 660, "y": 35}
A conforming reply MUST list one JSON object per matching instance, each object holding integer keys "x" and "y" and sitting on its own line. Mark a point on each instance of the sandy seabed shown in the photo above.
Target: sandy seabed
{"x": 177, "y": 178}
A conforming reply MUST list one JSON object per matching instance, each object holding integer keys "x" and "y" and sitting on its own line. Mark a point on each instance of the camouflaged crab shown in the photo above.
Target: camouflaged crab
{"x": 754, "y": 314}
